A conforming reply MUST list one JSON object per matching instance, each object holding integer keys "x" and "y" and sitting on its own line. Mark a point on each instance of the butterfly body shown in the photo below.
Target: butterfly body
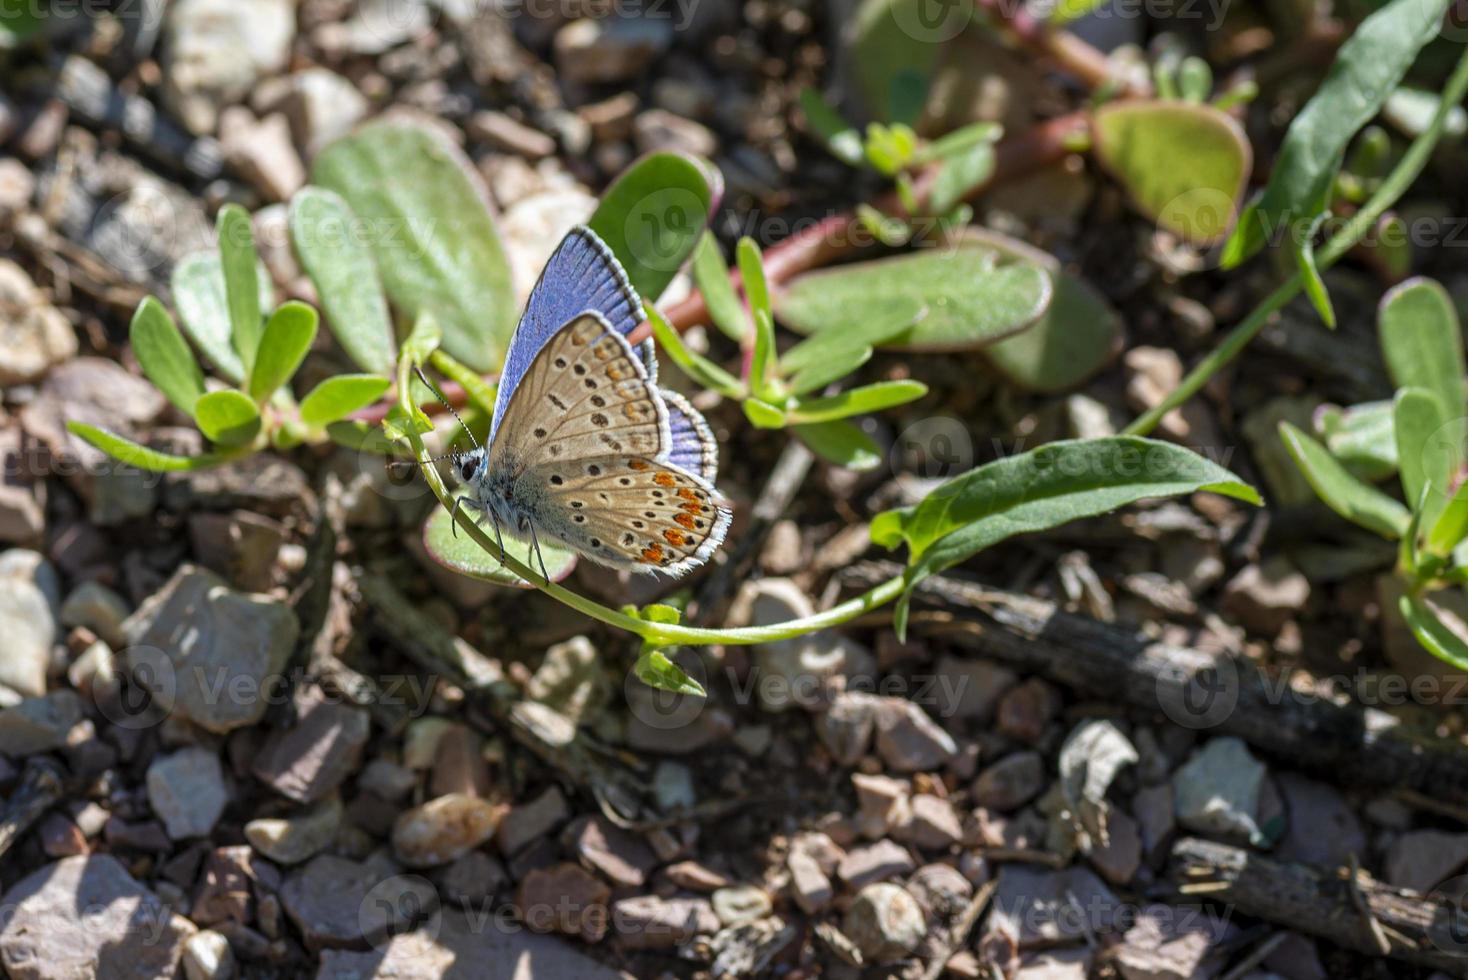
{"x": 584, "y": 446}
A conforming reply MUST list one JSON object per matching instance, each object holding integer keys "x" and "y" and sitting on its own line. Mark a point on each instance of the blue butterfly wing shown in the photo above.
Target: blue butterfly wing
{"x": 693, "y": 446}
{"x": 582, "y": 275}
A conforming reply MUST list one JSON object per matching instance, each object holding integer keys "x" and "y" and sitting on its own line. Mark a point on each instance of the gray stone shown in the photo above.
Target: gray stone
{"x": 741, "y": 903}
{"x": 1056, "y": 964}
{"x": 975, "y": 685}
{"x": 1038, "y": 907}
{"x": 672, "y": 786}
{"x": 885, "y": 923}
{"x": 455, "y": 943}
{"x": 932, "y": 823}
{"x": 657, "y": 130}
{"x": 846, "y": 728}
{"x": 650, "y": 922}
{"x": 99, "y": 609}
{"x": 27, "y": 620}
{"x": 387, "y": 779}
{"x": 530, "y": 821}
{"x": 1263, "y": 597}
{"x": 874, "y": 862}
{"x": 620, "y": 855}
{"x": 39, "y": 724}
{"x": 1323, "y": 827}
{"x": 564, "y": 898}
{"x": 311, "y": 758}
{"x": 262, "y": 152}
{"x": 1420, "y": 859}
{"x": 86, "y": 916}
{"x": 1172, "y": 943}
{"x": 908, "y": 740}
{"x": 882, "y": 804}
{"x": 322, "y": 106}
{"x": 1120, "y": 856}
{"x": 802, "y": 671}
{"x": 1011, "y": 782}
{"x": 475, "y": 877}
{"x": 187, "y": 791}
{"x": 212, "y": 654}
{"x": 808, "y": 882}
{"x": 22, "y": 517}
{"x": 340, "y": 903}
{"x": 444, "y": 829}
{"x": 609, "y": 49}
{"x": 1217, "y": 790}
{"x": 571, "y": 680}
{"x": 207, "y": 956}
{"x": 217, "y": 49}
{"x": 34, "y": 335}
{"x": 505, "y": 133}
{"x": 300, "y": 835}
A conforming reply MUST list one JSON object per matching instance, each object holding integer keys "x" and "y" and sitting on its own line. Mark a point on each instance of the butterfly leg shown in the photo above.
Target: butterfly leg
{"x": 540, "y": 557}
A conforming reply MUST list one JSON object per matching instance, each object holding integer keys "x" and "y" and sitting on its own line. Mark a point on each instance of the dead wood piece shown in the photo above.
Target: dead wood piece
{"x": 1219, "y": 695}
{"x": 1429, "y": 931}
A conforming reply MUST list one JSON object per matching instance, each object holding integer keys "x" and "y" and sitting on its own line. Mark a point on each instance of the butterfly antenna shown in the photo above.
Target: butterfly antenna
{"x": 439, "y": 395}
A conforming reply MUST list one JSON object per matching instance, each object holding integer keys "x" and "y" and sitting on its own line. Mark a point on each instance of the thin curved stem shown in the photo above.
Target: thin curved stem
{"x": 658, "y": 634}
{"x": 1396, "y": 184}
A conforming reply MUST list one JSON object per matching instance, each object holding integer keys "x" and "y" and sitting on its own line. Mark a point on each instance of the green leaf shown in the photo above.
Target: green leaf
{"x": 336, "y": 398}
{"x": 840, "y": 362}
{"x": 1195, "y": 79}
{"x": 699, "y": 368}
{"x": 128, "y": 452}
{"x": 461, "y": 553}
{"x": 363, "y": 437}
{"x": 164, "y": 355}
{"x": 1367, "y": 69}
{"x": 288, "y": 336}
{"x": 1445, "y": 642}
{"x": 1417, "y": 416}
{"x": 1363, "y": 437}
{"x": 431, "y": 232}
{"x": 762, "y": 363}
{"x": 1422, "y": 342}
{"x": 241, "y": 265}
{"x": 422, "y": 340}
{"x": 763, "y": 415}
{"x": 228, "y": 417}
{"x": 752, "y": 275}
{"x": 654, "y": 214}
{"x": 959, "y": 142}
{"x": 1358, "y": 502}
{"x": 842, "y": 443}
{"x": 1066, "y": 11}
{"x": 1044, "y": 488}
{"x": 1304, "y": 247}
{"x": 897, "y": 44}
{"x": 1451, "y": 526}
{"x": 711, "y": 276}
{"x": 1143, "y": 145}
{"x": 654, "y": 669}
{"x": 959, "y": 176}
{"x": 840, "y": 137}
{"x": 328, "y": 239}
{"x": 1075, "y": 339}
{"x": 20, "y": 21}
{"x": 971, "y": 299}
{"x": 890, "y": 231}
{"x": 814, "y": 355}
{"x": 203, "y": 309}
{"x": 858, "y": 401}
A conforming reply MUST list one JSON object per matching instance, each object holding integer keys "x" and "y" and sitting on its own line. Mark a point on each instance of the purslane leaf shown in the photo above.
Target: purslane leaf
{"x": 1417, "y": 415}
{"x": 840, "y": 137}
{"x": 654, "y": 669}
{"x": 1367, "y": 69}
{"x": 228, "y": 417}
{"x": 1422, "y": 341}
{"x": 1356, "y": 501}
{"x": 711, "y": 276}
{"x": 763, "y": 371}
{"x": 840, "y": 442}
{"x": 425, "y": 210}
{"x": 336, "y": 398}
{"x": 129, "y": 452}
{"x": 857, "y": 401}
{"x": 329, "y": 240}
{"x": 700, "y": 369}
{"x": 1437, "y": 637}
{"x": 203, "y": 309}
{"x": 1362, "y": 437}
{"x": 462, "y": 553}
{"x": 241, "y": 265}
{"x": 164, "y": 355}
{"x": 288, "y": 335}
{"x": 654, "y": 214}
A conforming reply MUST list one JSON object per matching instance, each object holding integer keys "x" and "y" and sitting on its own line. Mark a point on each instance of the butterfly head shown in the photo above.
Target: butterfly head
{"x": 470, "y": 465}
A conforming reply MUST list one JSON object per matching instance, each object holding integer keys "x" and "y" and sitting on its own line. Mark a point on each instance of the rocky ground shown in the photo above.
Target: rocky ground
{"x": 248, "y": 729}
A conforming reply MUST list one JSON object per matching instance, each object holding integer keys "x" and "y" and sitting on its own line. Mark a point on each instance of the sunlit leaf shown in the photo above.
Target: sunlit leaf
{"x": 840, "y": 137}
{"x": 463, "y": 554}
{"x": 337, "y": 397}
{"x": 330, "y": 242}
{"x": 654, "y": 669}
{"x": 164, "y": 355}
{"x": 711, "y": 276}
{"x": 1356, "y": 501}
{"x": 130, "y": 453}
{"x": 654, "y": 214}
{"x": 857, "y": 401}
{"x": 423, "y": 208}
{"x": 288, "y": 336}
{"x": 203, "y": 309}
{"x": 1422, "y": 342}
{"x": 842, "y": 443}
{"x": 1444, "y": 641}
{"x": 228, "y": 417}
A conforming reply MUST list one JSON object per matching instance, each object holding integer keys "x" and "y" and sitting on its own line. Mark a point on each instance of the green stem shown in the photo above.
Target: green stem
{"x": 657, "y": 634}
{"x": 1391, "y": 189}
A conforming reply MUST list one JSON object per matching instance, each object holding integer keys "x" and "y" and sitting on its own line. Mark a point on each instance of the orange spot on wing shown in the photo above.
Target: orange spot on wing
{"x": 652, "y": 554}
{"x": 663, "y": 479}
{"x": 637, "y": 464}
{"x": 684, "y": 520}
{"x": 674, "y": 538}
{"x": 687, "y": 494}
{"x": 692, "y": 507}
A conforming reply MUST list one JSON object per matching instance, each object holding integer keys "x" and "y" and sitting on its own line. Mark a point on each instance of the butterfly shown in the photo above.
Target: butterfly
{"x": 584, "y": 446}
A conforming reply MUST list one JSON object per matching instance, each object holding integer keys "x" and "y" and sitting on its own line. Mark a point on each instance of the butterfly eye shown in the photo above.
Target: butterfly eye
{"x": 468, "y": 467}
